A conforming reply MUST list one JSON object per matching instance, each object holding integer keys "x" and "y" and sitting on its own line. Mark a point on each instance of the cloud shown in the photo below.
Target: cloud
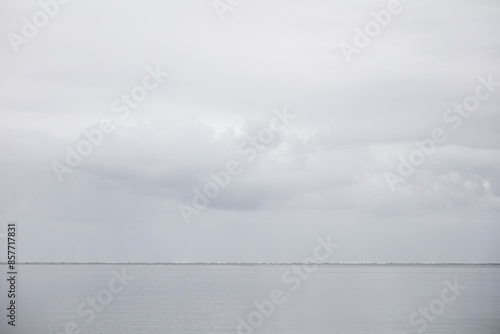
{"x": 324, "y": 173}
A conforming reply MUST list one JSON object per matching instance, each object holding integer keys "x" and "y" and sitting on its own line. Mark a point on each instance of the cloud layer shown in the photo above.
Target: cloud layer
{"x": 325, "y": 173}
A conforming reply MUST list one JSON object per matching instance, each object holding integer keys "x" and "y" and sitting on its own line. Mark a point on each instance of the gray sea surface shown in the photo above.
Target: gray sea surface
{"x": 159, "y": 298}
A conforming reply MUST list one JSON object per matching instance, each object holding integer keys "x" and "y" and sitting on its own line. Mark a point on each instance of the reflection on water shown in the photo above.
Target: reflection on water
{"x": 288, "y": 299}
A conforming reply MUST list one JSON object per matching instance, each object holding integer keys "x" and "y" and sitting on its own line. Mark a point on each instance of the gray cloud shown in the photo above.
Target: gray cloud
{"x": 324, "y": 173}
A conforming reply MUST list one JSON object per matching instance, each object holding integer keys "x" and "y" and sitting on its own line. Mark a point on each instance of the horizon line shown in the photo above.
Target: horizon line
{"x": 258, "y": 263}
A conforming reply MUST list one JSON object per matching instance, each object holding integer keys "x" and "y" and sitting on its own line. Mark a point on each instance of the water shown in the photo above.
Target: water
{"x": 218, "y": 299}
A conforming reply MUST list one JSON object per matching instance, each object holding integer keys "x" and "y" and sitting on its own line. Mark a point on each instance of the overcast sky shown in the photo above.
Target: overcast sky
{"x": 325, "y": 173}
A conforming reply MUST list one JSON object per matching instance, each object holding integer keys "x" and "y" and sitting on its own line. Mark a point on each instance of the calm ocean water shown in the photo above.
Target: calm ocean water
{"x": 120, "y": 299}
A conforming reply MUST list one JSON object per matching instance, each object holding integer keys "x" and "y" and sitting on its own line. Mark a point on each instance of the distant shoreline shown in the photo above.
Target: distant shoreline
{"x": 252, "y": 264}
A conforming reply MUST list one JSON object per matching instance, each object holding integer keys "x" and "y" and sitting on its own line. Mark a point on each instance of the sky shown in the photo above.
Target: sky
{"x": 317, "y": 116}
